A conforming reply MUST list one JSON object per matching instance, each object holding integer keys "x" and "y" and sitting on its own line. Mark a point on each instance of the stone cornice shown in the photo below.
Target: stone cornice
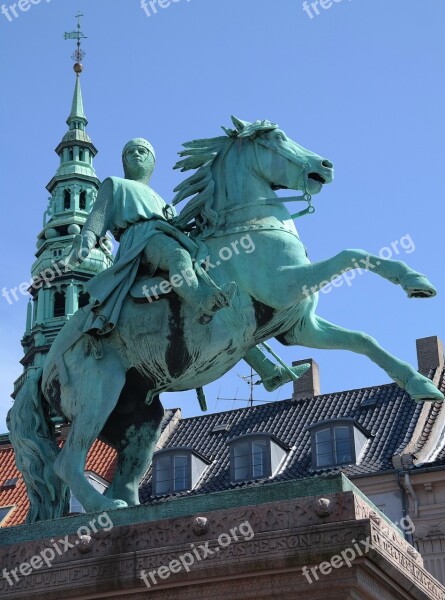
{"x": 288, "y": 535}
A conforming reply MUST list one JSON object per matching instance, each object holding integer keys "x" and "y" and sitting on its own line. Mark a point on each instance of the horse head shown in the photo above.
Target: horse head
{"x": 247, "y": 165}
{"x": 281, "y": 162}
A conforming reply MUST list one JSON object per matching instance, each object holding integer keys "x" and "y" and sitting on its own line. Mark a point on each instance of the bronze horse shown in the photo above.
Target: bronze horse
{"x": 109, "y": 389}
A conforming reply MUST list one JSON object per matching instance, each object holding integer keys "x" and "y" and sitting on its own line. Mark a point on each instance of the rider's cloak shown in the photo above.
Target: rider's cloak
{"x": 133, "y": 212}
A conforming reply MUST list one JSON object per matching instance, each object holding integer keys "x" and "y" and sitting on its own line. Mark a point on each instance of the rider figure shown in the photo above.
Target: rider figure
{"x": 135, "y": 215}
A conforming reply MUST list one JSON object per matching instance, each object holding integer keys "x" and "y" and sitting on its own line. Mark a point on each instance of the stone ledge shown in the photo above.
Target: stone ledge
{"x": 284, "y": 535}
{"x": 188, "y": 505}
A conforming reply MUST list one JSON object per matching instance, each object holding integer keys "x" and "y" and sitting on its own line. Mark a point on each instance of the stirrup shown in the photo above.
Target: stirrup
{"x": 282, "y": 377}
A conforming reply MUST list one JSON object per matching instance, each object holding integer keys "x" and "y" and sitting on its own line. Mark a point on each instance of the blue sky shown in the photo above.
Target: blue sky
{"x": 361, "y": 83}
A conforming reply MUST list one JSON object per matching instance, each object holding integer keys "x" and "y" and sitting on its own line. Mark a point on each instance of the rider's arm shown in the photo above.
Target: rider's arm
{"x": 98, "y": 222}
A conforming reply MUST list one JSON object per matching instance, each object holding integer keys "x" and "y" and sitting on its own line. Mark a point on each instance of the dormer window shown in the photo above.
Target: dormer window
{"x": 255, "y": 456}
{"x": 177, "y": 470}
{"x": 336, "y": 442}
{"x": 99, "y": 484}
{"x": 10, "y": 483}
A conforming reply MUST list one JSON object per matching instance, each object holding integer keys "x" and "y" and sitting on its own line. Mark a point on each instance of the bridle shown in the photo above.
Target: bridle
{"x": 305, "y": 170}
{"x": 305, "y": 197}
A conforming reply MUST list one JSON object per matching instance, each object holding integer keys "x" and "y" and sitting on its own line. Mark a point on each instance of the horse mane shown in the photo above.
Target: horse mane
{"x": 201, "y": 155}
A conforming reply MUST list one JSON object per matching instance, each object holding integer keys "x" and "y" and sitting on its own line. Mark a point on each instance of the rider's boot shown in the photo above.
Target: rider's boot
{"x": 273, "y": 376}
{"x": 212, "y": 303}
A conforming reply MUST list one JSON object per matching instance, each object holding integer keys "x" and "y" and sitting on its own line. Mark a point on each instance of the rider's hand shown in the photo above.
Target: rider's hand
{"x": 79, "y": 251}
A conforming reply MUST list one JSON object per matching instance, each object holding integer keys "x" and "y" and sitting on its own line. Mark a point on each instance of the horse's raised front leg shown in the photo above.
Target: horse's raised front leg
{"x": 319, "y": 333}
{"x": 91, "y": 395}
{"x": 310, "y": 278}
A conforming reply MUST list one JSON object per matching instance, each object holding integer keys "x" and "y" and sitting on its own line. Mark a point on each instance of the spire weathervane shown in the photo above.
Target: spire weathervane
{"x": 79, "y": 54}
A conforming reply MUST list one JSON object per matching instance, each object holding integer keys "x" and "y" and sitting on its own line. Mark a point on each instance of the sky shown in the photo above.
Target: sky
{"x": 361, "y": 83}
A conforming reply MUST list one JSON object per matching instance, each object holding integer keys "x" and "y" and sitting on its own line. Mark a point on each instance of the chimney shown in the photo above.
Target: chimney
{"x": 309, "y": 384}
{"x": 429, "y": 354}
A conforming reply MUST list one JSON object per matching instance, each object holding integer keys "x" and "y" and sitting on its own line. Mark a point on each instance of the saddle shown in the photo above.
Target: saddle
{"x": 150, "y": 288}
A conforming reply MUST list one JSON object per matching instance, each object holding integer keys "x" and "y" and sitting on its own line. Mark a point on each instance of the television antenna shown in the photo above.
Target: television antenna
{"x": 250, "y": 380}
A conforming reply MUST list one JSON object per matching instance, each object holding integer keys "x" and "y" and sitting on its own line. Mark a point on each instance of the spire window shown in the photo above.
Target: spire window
{"x": 84, "y": 299}
{"x": 59, "y": 304}
{"x": 81, "y": 155}
{"x": 83, "y": 200}
{"x": 66, "y": 200}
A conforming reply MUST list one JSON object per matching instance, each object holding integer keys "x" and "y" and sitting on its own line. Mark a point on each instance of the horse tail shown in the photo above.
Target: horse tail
{"x": 32, "y": 435}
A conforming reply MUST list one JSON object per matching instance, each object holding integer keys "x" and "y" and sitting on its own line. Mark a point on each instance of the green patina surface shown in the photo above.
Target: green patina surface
{"x": 136, "y": 351}
{"x": 107, "y": 384}
{"x": 191, "y": 506}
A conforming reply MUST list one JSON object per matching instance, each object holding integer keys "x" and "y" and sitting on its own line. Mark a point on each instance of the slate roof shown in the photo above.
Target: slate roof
{"x": 440, "y": 459}
{"x": 386, "y": 413}
{"x": 432, "y": 416}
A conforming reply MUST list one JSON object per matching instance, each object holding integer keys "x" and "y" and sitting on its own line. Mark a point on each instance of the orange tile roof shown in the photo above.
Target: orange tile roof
{"x": 15, "y": 496}
{"x": 101, "y": 460}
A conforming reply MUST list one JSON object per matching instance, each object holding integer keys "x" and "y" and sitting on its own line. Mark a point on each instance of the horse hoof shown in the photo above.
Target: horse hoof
{"x": 422, "y": 389}
{"x": 113, "y": 504}
{"x": 417, "y": 285}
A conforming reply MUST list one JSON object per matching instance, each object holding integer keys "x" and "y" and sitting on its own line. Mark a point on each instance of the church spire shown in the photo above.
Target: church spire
{"x": 77, "y": 119}
{"x": 58, "y": 292}
{"x": 76, "y": 150}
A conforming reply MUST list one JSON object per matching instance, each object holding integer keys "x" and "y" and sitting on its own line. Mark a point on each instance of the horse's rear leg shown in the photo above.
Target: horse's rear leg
{"x": 91, "y": 395}
{"x": 319, "y": 333}
{"x": 134, "y": 434}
